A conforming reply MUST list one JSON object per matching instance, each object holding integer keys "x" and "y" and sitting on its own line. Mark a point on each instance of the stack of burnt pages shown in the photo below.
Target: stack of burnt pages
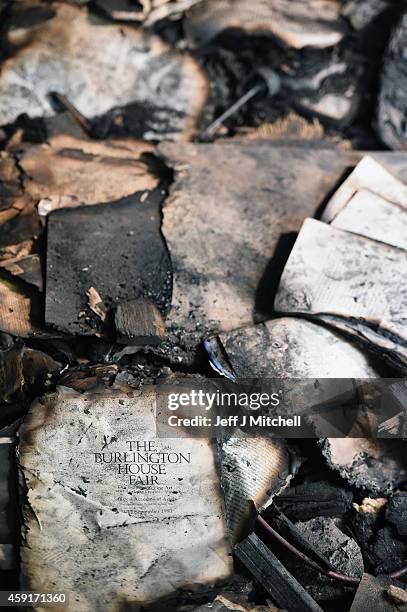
{"x": 349, "y": 269}
{"x": 346, "y": 273}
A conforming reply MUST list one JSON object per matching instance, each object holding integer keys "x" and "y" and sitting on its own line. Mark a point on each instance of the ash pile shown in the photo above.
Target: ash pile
{"x": 216, "y": 190}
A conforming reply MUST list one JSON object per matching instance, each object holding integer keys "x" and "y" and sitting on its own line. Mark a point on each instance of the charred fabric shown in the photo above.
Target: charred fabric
{"x": 200, "y": 189}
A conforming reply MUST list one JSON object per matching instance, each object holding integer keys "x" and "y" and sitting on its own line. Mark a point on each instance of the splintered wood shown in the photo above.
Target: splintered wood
{"x": 143, "y": 516}
{"x": 98, "y": 66}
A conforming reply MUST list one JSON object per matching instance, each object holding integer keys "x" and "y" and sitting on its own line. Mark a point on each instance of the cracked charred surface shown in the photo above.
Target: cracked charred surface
{"x": 138, "y": 538}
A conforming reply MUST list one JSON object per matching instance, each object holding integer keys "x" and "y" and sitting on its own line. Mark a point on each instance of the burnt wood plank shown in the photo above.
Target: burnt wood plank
{"x": 139, "y": 322}
{"x": 273, "y": 576}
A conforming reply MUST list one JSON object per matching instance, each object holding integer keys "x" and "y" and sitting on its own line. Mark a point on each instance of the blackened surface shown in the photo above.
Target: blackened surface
{"x": 396, "y": 513}
{"x": 387, "y": 553}
{"x": 310, "y": 500}
{"x": 116, "y": 248}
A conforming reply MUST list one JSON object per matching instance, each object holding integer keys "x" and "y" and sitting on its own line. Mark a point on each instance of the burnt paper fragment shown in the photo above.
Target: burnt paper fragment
{"x": 318, "y": 372}
{"x": 373, "y": 174}
{"x": 99, "y": 66}
{"x": 316, "y": 24}
{"x": 147, "y": 11}
{"x": 114, "y": 248}
{"x": 122, "y": 517}
{"x": 296, "y": 348}
{"x": 372, "y": 216}
{"x": 253, "y": 471}
{"x": 336, "y": 275}
{"x": 68, "y": 171}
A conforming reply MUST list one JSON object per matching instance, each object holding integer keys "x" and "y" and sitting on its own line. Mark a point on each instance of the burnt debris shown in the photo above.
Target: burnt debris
{"x": 194, "y": 190}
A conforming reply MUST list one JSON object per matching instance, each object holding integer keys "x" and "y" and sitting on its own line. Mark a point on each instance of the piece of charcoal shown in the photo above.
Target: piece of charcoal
{"x": 392, "y": 107}
{"x": 67, "y": 171}
{"x": 98, "y": 66}
{"x": 396, "y": 513}
{"x": 8, "y": 517}
{"x": 342, "y": 552}
{"x": 11, "y": 366}
{"x": 273, "y": 576}
{"x": 387, "y": 553}
{"x": 363, "y": 526}
{"x": 116, "y": 249}
{"x": 295, "y": 536}
{"x": 312, "y": 499}
{"x": 139, "y": 322}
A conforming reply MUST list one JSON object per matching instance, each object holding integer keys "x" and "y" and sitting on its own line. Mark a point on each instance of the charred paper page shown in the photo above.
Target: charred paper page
{"x": 351, "y": 282}
{"x": 371, "y": 215}
{"x": 113, "y": 514}
{"x": 371, "y": 202}
{"x": 321, "y": 373}
{"x": 369, "y": 175}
